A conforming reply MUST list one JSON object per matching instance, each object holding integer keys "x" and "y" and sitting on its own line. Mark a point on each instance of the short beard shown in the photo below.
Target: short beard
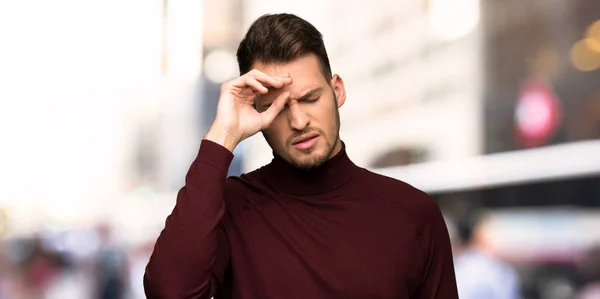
{"x": 317, "y": 162}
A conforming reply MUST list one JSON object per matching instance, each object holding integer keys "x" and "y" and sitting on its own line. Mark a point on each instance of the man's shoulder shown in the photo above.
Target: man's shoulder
{"x": 392, "y": 188}
{"x": 401, "y": 195}
{"x": 245, "y": 179}
{"x": 416, "y": 206}
{"x": 238, "y": 189}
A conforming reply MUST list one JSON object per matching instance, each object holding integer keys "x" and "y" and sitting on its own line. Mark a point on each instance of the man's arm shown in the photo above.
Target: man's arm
{"x": 437, "y": 277}
{"x": 184, "y": 263}
{"x": 191, "y": 253}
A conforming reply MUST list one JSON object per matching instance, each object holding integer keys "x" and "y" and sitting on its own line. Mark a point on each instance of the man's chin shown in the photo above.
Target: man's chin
{"x": 309, "y": 162}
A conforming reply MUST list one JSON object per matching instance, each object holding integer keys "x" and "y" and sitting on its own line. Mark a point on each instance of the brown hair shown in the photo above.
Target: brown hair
{"x": 281, "y": 38}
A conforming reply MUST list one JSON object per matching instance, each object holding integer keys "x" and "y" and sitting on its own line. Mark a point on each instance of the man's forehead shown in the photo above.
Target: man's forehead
{"x": 273, "y": 69}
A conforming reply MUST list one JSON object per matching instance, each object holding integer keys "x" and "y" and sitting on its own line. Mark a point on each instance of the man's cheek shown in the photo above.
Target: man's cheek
{"x": 276, "y": 131}
{"x": 279, "y": 121}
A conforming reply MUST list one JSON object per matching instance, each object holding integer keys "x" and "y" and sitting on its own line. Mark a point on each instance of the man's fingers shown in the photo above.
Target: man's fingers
{"x": 267, "y": 80}
{"x": 258, "y": 81}
{"x": 255, "y": 85}
{"x": 286, "y": 79}
{"x": 269, "y": 115}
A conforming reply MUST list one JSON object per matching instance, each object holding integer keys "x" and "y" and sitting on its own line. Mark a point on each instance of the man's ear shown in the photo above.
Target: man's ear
{"x": 339, "y": 89}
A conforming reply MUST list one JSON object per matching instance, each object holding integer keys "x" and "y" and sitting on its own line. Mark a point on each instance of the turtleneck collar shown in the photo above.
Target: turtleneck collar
{"x": 283, "y": 176}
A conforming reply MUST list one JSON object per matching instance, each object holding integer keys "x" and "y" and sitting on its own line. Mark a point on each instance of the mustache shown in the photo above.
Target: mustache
{"x": 305, "y": 131}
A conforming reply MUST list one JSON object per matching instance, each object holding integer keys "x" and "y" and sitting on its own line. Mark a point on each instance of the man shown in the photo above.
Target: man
{"x": 310, "y": 224}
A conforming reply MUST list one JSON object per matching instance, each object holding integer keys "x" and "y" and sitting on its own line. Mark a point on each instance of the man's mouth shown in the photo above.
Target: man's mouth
{"x": 306, "y": 141}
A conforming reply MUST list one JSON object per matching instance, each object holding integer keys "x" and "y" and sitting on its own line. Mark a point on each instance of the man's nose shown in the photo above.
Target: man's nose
{"x": 298, "y": 119}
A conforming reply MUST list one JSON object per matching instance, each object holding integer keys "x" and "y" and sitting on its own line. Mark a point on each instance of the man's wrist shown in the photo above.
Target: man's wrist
{"x": 223, "y": 137}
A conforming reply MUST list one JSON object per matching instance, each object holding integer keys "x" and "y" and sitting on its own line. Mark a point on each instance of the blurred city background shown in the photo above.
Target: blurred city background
{"x": 492, "y": 107}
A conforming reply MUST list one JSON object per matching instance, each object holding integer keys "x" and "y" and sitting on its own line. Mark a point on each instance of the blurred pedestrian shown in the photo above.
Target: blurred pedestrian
{"x": 589, "y": 267}
{"x": 480, "y": 274}
{"x": 111, "y": 271}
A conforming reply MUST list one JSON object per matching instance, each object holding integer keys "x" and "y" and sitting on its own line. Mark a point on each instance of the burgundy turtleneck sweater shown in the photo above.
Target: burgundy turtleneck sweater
{"x": 278, "y": 232}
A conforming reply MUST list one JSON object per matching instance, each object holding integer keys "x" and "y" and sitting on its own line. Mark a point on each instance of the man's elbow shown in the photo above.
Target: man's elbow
{"x": 160, "y": 288}
{"x": 155, "y": 289}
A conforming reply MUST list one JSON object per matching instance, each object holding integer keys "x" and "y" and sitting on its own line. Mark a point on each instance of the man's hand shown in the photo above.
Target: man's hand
{"x": 237, "y": 119}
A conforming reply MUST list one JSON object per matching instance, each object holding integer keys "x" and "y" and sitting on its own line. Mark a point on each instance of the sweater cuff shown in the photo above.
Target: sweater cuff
{"x": 215, "y": 155}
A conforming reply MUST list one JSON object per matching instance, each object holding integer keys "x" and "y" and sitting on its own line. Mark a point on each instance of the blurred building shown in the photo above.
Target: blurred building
{"x": 93, "y": 110}
{"x": 414, "y": 77}
{"x": 542, "y": 71}
{"x": 538, "y": 174}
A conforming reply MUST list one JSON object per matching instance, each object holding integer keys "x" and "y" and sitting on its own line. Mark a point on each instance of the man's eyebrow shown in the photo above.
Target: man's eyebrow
{"x": 309, "y": 94}
{"x": 305, "y": 97}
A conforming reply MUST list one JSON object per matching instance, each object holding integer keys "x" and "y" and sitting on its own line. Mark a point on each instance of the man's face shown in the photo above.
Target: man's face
{"x": 306, "y": 132}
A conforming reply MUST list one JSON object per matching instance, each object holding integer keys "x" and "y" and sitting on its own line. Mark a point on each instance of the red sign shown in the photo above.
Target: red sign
{"x": 537, "y": 114}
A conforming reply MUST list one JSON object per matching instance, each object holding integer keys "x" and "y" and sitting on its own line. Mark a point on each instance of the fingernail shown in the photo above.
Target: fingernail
{"x": 287, "y": 75}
